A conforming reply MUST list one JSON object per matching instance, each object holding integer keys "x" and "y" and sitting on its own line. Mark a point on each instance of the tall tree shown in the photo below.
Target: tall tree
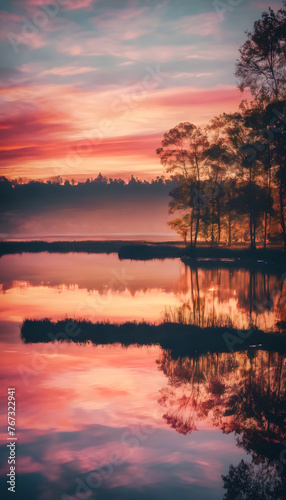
{"x": 182, "y": 153}
{"x": 261, "y": 150}
{"x": 231, "y": 151}
{"x": 219, "y": 157}
{"x": 275, "y": 120}
{"x": 261, "y": 67}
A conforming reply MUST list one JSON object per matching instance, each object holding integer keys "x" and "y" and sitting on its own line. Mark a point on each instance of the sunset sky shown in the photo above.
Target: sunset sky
{"x": 90, "y": 86}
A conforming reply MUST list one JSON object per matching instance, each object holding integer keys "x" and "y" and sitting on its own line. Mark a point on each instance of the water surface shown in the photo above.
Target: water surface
{"x": 112, "y": 422}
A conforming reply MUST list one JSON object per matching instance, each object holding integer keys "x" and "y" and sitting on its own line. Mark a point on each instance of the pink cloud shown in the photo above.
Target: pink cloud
{"x": 67, "y": 70}
{"x": 110, "y": 19}
{"x": 131, "y": 35}
{"x": 113, "y": 46}
{"x": 63, "y": 4}
{"x": 77, "y": 4}
{"x": 201, "y": 25}
{"x": 126, "y": 63}
{"x": 199, "y": 75}
{"x": 184, "y": 96}
{"x": 27, "y": 149}
{"x": 9, "y": 16}
{"x": 18, "y": 33}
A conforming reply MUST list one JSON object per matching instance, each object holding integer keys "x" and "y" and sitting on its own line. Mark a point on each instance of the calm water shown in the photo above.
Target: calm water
{"x": 126, "y": 423}
{"x": 89, "y": 237}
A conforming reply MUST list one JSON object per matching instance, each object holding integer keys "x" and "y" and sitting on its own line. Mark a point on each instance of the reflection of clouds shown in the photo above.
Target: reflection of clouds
{"x": 69, "y": 390}
{"x": 75, "y": 411}
{"x": 61, "y": 457}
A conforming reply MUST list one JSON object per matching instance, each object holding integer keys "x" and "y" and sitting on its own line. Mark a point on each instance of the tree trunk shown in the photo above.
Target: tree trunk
{"x": 212, "y": 235}
{"x": 218, "y": 219}
{"x": 250, "y": 229}
{"x": 229, "y": 228}
{"x": 265, "y": 229}
{"x": 282, "y": 216}
{"x": 197, "y": 227}
{"x": 191, "y": 232}
{"x": 229, "y": 221}
{"x": 198, "y": 207}
{"x": 252, "y": 212}
{"x": 269, "y": 199}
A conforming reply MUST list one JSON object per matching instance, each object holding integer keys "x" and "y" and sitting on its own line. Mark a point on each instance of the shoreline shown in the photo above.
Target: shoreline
{"x": 201, "y": 256}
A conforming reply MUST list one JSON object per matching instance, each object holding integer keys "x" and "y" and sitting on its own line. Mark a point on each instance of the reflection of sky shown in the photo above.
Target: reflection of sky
{"x": 100, "y": 287}
{"x": 78, "y": 404}
{"x": 75, "y": 406}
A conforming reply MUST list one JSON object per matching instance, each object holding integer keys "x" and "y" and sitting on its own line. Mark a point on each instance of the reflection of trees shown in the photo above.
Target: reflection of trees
{"x": 195, "y": 386}
{"x": 196, "y": 314}
{"x": 244, "y": 393}
{"x": 230, "y": 297}
{"x": 259, "y": 407}
{"x": 251, "y": 482}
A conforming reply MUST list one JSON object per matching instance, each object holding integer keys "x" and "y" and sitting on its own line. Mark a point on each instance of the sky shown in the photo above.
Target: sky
{"x": 90, "y": 86}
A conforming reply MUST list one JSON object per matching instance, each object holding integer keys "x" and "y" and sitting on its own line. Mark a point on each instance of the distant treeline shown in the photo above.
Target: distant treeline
{"x": 60, "y": 193}
{"x": 97, "y": 206}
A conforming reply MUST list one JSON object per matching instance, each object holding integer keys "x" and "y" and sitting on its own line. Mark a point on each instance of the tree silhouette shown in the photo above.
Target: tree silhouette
{"x": 262, "y": 64}
{"x": 251, "y": 482}
{"x": 182, "y": 153}
{"x": 274, "y": 117}
{"x": 181, "y": 225}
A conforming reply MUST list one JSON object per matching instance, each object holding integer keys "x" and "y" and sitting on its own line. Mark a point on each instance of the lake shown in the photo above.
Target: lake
{"x": 116, "y": 422}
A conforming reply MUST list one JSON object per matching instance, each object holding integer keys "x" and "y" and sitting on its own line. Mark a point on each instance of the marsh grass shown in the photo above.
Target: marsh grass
{"x": 181, "y": 339}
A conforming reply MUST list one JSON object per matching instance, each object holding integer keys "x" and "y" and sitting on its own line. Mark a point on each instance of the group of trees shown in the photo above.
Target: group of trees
{"x": 94, "y": 206}
{"x": 232, "y": 173}
{"x": 59, "y": 193}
